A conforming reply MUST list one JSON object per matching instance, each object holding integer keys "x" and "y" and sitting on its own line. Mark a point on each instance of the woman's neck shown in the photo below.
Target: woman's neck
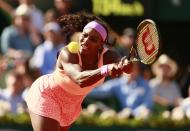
{"x": 89, "y": 61}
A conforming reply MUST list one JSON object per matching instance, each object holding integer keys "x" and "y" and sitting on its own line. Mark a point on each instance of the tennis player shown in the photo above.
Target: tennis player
{"x": 54, "y": 100}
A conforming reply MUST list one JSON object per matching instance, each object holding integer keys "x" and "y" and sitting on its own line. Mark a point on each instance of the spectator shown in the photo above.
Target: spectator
{"x": 50, "y": 16}
{"x": 147, "y": 72}
{"x": 126, "y": 41}
{"x": 37, "y": 17}
{"x": 3, "y": 68}
{"x": 3, "y": 65}
{"x": 35, "y": 13}
{"x": 44, "y": 57}
{"x": 8, "y": 63}
{"x": 166, "y": 90}
{"x": 12, "y": 94}
{"x": 183, "y": 110}
{"x": 132, "y": 92}
{"x": 29, "y": 75}
{"x": 16, "y": 39}
{"x": 63, "y": 7}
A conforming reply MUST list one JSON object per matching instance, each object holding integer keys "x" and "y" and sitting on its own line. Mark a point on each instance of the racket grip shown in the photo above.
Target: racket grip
{"x": 129, "y": 56}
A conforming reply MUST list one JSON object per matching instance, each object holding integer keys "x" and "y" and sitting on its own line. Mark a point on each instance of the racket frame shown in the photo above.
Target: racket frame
{"x": 134, "y": 46}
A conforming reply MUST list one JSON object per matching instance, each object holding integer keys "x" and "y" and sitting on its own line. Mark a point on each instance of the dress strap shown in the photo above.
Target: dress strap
{"x": 80, "y": 60}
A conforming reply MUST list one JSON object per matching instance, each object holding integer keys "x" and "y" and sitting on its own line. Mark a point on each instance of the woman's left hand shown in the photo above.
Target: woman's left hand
{"x": 116, "y": 69}
{"x": 125, "y": 65}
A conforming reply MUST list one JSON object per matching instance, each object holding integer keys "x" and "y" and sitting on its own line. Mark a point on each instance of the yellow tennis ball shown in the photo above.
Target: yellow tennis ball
{"x": 73, "y": 47}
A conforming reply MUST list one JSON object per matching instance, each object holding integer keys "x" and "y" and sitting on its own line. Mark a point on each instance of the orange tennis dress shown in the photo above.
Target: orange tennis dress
{"x": 56, "y": 96}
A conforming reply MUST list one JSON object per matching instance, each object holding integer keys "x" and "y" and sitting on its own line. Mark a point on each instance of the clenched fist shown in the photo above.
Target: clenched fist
{"x": 116, "y": 69}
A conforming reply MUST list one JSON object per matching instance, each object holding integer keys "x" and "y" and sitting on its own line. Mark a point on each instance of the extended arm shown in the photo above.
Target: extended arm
{"x": 85, "y": 78}
{"x": 69, "y": 62}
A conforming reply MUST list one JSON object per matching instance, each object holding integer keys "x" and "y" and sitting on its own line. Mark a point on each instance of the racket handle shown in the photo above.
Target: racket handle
{"x": 129, "y": 57}
{"x": 132, "y": 61}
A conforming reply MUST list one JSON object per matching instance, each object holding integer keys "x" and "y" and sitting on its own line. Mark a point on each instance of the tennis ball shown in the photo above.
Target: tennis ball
{"x": 73, "y": 47}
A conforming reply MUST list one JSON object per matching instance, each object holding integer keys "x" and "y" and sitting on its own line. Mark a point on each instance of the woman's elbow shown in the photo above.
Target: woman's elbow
{"x": 79, "y": 80}
{"x": 83, "y": 82}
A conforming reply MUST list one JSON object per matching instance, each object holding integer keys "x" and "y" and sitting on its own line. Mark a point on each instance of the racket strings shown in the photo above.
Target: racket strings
{"x": 152, "y": 39}
{"x": 151, "y": 58}
{"x": 146, "y": 58}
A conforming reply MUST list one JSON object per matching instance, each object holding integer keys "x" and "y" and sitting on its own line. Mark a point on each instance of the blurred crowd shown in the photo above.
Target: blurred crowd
{"x": 28, "y": 50}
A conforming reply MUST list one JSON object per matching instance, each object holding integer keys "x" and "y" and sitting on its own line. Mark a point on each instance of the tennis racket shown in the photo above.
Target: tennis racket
{"x": 147, "y": 43}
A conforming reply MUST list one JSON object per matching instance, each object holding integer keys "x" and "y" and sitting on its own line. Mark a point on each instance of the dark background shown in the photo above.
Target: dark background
{"x": 173, "y": 21}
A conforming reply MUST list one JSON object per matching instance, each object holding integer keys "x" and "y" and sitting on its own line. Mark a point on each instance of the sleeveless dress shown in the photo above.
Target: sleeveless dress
{"x": 56, "y": 96}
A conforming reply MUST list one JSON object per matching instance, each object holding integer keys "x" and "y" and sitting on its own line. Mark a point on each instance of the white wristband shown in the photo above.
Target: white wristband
{"x": 104, "y": 70}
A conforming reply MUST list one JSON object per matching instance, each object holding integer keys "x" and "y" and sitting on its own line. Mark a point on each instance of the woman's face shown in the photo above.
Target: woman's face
{"x": 90, "y": 41}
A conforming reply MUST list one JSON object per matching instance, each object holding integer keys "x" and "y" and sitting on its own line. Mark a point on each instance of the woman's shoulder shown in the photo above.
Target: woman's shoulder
{"x": 65, "y": 55}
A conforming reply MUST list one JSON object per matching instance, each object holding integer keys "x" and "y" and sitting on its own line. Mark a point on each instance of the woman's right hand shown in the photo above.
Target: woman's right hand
{"x": 116, "y": 69}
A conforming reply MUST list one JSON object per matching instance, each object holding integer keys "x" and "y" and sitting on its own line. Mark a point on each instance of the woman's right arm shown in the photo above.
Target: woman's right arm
{"x": 69, "y": 62}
